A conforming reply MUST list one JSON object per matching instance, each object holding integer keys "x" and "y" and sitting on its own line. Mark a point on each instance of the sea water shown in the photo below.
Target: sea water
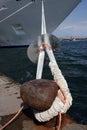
{"x": 72, "y": 60}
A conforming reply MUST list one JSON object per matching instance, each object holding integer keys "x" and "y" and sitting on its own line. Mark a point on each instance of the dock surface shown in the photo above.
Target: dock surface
{"x": 10, "y": 100}
{"x": 10, "y": 103}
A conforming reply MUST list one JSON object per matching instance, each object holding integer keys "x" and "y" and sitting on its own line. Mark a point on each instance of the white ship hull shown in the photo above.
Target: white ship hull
{"x": 23, "y": 27}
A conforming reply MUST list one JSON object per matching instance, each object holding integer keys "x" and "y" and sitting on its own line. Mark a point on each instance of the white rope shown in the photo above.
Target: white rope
{"x": 51, "y": 112}
{"x": 16, "y": 12}
{"x": 43, "y": 25}
{"x": 42, "y": 53}
{"x": 40, "y": 60}
{"x": 57, "y": 105}
{"x": 60, "y": 80}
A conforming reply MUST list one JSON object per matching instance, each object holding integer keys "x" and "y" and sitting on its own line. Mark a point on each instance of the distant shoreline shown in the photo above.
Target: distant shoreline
{"x": 60, "y": 39}
{"x": 73, "y": 39}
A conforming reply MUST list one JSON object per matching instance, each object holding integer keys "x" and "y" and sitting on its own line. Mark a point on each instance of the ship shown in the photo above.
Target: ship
{"x": 20, "y": 20}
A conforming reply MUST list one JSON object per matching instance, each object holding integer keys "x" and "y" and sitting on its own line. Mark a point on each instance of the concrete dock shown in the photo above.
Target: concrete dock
{"x": 10, "y": 103}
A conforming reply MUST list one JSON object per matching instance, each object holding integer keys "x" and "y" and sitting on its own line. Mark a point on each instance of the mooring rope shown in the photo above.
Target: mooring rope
{"x": 59, "y": 106}
{"x": 10, "y": 121}
{"x": 58, "y": 125}
{"x": 42, "y": 52}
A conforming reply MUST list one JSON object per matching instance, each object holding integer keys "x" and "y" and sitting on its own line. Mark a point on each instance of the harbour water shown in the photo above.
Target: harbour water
{"x": 72, "y": 60}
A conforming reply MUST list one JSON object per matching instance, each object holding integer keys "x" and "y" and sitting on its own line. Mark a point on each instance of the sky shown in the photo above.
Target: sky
{"x": 75, "y": 24}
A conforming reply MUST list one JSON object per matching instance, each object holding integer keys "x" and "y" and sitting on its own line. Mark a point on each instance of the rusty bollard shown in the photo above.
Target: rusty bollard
{"x": 39, "y": 94}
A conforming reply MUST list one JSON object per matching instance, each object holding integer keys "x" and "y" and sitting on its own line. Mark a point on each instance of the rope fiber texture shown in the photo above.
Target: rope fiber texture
{"x": 63, "y": 100}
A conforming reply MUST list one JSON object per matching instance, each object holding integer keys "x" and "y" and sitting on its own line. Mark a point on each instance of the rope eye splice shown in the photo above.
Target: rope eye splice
{"x": 63, "y": 100}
